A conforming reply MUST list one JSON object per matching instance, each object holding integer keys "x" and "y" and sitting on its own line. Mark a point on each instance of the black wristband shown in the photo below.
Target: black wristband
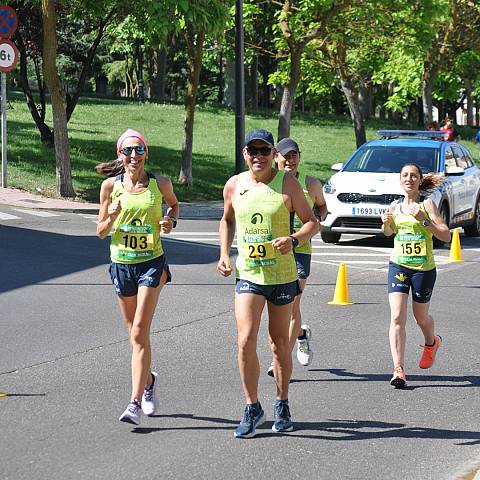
{"x": 174, "y": 220}
{"x": 294, "y": 241}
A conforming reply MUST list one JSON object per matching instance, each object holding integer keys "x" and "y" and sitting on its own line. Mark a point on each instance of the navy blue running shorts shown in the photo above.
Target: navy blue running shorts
{"x": 128, "y": 277}
{"x": 282, "y": 294}
{"x": 401, "y": 279}
{"x": 303, "y": 261}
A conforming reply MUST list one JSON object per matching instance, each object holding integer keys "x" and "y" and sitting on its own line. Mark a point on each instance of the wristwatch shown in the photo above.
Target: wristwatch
{"x": 294, "y": 241}
{"x": 426, "y": 222}
{"x": 174, "y": 220}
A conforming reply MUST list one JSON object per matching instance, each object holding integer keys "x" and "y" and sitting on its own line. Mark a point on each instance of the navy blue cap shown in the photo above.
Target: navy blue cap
{"x": 260, "y": 134}
{"x": 286, "y": 145}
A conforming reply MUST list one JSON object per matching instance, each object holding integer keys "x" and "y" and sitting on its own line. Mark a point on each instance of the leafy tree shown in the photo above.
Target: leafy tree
{"x": 79, "y": 30}
{"x": 302, "y": 21}
{"x": 196, "y": 20}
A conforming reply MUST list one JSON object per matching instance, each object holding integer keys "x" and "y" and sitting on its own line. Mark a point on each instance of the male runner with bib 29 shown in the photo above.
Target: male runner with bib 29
{"x": 257, "y": 203}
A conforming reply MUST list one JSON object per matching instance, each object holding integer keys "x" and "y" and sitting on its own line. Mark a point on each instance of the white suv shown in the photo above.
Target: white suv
{"x": 368, "y": 182}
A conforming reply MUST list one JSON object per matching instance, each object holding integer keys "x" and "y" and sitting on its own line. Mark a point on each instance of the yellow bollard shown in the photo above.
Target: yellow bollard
{"x": 340, "y": 296}
{"x": 455, "y": 251}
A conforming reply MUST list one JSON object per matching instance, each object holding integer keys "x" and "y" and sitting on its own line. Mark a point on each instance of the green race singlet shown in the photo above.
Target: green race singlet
{"x": 136, "y": 235}
{"x": 261, "y": 216}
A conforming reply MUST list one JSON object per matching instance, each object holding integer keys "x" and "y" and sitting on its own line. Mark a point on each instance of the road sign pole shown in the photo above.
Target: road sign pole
{"x": 3, "y": 114}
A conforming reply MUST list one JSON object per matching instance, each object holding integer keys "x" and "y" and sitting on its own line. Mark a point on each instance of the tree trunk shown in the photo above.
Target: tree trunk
{"x": 265, "y": 64}
{"x": 87, "y": 66}
{"x": 50, "y": 73}
{"x": 420, "y": 118}
{"x": 254, "y": 83}
{"x": 339, "y": 62}
{"x": 46, "y": 135}
{"x": 221, "y": 77}
{"x": 351, "y": 94}
{"x": 468, "y": 93}
{"x": 229, "y": 83}
{"x": 288, "y": 96}
{"x": 195, "y": 43}
{"x": 365, "y": 101}
{"x": 427, "y": 86}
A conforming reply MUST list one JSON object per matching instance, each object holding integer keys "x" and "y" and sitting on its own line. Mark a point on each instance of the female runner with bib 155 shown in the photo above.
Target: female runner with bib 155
{"x": 414, "y": 220}
{"x": 131, "y": 202}
{"x": 258, "y": 204}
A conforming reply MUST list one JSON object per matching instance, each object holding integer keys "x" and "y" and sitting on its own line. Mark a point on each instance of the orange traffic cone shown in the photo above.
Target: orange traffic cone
{"x": 455, "y": 251}
{"x": 341, "y": 288}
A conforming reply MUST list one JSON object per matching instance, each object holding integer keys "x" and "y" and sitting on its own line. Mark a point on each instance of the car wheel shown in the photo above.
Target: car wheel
{"x": 473, "y": 230}
{"x": 330, "y": 237}
{"x": 444, "y": 214}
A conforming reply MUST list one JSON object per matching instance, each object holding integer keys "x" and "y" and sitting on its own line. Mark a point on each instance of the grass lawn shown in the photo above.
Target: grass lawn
{"x": 96, "y": 124}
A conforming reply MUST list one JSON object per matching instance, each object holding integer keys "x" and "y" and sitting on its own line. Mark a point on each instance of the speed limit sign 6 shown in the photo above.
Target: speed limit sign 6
{"x": 8, "y": 55}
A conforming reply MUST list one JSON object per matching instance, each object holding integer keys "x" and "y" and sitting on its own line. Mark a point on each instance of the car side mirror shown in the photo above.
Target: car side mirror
{"x": 454, "y": 171}
{"x": 337, "y": 166}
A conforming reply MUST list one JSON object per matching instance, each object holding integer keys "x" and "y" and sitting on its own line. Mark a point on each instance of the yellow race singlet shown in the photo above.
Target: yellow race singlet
{"x": 261, "y": 216}
{"x": 413, "y": 245}
{"x": 136, "y": 235}
{"x": 297, "y": 223}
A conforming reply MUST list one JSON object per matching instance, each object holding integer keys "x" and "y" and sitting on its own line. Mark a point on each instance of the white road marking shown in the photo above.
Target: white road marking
{"x": 194, "y": 233}
{"x": 343, "y": 254}
{"x": 7, "y": 216}
{"x": 37, "y": 213}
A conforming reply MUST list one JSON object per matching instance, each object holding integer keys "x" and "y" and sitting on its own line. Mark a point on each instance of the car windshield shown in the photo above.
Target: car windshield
{"x": 390, "y": 159}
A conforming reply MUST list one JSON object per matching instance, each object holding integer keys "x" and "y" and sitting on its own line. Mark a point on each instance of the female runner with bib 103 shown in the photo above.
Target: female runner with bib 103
{"x": 414, "y": 221}
{"x": 131, "y": 202}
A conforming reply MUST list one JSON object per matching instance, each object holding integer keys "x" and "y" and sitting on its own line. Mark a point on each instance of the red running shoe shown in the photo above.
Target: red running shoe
{"x": 428, "y": 355}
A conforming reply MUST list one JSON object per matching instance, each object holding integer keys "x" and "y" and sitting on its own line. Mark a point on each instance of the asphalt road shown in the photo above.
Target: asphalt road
{"x": 64, "y": 367}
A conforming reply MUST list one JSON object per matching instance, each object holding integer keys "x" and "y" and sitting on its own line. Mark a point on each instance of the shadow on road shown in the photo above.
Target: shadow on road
{"x": 334, "y": 430}
{"x": 352, "y": 430}
{"x": 31, "y": 256}
{"x": 460, "y": 381}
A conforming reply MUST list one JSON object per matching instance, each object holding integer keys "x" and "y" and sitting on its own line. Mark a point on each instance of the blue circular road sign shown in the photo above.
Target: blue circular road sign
{"x": 8, "y": 21}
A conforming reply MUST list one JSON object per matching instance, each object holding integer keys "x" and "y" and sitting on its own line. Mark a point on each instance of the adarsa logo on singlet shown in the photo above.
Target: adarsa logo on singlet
{"x": 257, "y": 231}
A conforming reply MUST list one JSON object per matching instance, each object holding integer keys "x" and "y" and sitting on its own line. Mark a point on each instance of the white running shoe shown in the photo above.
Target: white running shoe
{"x": 304, "y": 354}
{"x": 132, "y": 414}
{"x": 149, "y": 397}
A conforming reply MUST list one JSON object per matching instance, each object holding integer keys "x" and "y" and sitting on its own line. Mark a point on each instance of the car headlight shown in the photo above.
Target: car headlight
{"x": 328, "y": 187}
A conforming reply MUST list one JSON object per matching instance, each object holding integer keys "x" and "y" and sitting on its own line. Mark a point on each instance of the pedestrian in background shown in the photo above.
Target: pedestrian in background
{"x": 476, "y": 139}
{"x": 414, "y": 220}
{"x": 258, "y": 203}
{"x": 450, "y": 130}
{"x": 288, "y": 159}
{"x": 131, "y": 203}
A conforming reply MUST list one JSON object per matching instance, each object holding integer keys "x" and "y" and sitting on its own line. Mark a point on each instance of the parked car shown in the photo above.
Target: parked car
{"x": 363, "y": 188}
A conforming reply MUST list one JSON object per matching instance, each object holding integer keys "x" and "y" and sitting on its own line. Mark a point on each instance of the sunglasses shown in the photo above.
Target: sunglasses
{"x": 252, "y": 151}
{"x": 139, "y": 150}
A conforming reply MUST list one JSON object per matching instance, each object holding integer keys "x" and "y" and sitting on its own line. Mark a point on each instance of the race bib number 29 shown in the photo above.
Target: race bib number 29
{"x": 259, "y": 254}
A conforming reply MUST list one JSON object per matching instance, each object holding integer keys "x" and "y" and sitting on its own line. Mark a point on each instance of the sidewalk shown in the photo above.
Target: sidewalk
{"x": 20, "y": 199}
